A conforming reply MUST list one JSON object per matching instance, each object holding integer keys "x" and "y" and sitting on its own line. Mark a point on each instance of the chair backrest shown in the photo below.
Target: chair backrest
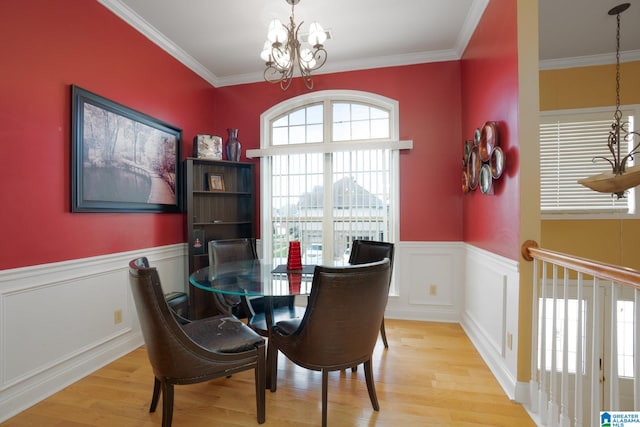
{"x": 221, "y": 251}
{"x": 345, "y": 309}
{"x": 170, "y": 350}
{"x": 365, "y": 251}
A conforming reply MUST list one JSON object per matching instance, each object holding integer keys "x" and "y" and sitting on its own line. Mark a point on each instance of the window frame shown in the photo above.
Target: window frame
{"x": 328, "y": 97}
{"x": 583, "y": 114}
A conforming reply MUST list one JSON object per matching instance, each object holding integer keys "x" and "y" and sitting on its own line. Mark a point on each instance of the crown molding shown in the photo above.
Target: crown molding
{"x": 589, "y": 60}
{"x": 137, "y": 22}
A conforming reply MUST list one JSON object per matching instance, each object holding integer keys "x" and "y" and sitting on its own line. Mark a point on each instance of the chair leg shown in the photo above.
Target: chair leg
{"x": 260, "y": 377}
{"x": 167, "y": 404}
{"x": 325, "y": 380}
{"x": 368, "y": 375}
{"x": 384, "y": 334}
{"x": 156, "y": 395}
{"x": 272, "y": 367}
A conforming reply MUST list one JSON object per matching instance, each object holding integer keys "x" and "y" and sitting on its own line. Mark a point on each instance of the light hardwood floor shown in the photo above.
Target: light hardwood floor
{"x": 431, "y": 375}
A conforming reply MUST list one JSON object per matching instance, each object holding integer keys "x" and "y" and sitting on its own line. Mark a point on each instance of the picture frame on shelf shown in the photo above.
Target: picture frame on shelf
{"x": 207, "y": 147}
{"x": 122, "y": 160}
{"x": 216, "y": 182}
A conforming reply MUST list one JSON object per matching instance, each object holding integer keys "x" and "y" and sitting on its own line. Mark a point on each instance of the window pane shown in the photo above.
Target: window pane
{"x": 280, "y": 136}
{"x": 314, "y": 133}
{"x": 360, "y": 130}
{"x": 625, "y": 338}
{"x": 314, "y": 114}
{"x": 359, "y": 112}
{"x": 341, "y": 131}
{"x": 297, "y": 135}
{"x": 356, "y": 122}
{"x": 380, "y": 128}
{"x": 297, "y": 117}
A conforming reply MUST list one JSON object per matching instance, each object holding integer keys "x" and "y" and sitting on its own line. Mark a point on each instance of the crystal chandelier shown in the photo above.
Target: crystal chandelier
{"x": 282, "y": 51}
{"x": 621, "y": 178}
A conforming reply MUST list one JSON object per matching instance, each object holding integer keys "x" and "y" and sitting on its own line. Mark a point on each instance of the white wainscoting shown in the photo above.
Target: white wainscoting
{"x": 427, "y": 281}
{"x": 57, "y": 321}
{"x": 490, "y": 315}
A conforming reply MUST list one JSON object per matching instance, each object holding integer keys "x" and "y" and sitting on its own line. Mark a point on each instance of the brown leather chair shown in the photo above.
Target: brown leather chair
{"x": 221, "y": 251}
{"x": 364, "y": 251}
{"x": 229, "y": 250}
{"x": 340, "y": 326}
{"x": 194, "y": 352}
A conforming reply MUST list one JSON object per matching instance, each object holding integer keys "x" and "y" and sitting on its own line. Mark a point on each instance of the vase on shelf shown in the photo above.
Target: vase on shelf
{"x": 233, "y": 145}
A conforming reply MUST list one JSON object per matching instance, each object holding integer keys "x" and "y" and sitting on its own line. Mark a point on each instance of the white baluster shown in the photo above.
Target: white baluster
{"x": 533, "y": 382}
{"x": 542, "y": 391}
{"x": 595, "y": 355}
{"x": 614, "y": 380}
{"x": 552, "y": 417}
{"x": 636, "y": 350}
{"x": 580, "y": 358}
{"x": 564, "y": 406}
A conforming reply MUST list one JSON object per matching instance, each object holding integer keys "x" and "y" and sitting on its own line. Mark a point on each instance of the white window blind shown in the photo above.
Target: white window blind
{"x": 569, "y": 142}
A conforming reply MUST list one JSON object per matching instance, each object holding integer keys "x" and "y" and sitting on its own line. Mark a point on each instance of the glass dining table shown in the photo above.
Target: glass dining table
{"x": 255, "y": 278}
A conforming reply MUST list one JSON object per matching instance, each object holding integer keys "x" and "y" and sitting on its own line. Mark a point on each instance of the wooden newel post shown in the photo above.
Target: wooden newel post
{"x": 525, "y": 249}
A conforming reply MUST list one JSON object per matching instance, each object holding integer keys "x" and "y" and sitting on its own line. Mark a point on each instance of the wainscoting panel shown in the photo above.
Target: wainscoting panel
{"x": 58, "y": 321}
{"x": 490, "y": 315}
{"x": 427, "y": 281}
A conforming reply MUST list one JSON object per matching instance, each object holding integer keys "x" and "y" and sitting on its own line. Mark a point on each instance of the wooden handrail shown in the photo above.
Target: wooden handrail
{"x": 623, "y": 275}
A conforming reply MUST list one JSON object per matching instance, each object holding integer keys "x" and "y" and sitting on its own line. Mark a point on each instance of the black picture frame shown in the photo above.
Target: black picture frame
{"x": 122, "y": 160}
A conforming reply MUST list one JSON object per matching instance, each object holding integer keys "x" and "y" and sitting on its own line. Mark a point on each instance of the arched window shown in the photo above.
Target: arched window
{"x": 329, "y": 174}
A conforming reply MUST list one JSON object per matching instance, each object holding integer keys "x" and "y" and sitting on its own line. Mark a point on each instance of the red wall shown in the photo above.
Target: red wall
{"x": 429, "y": 102}
{"x": 490, "y": 93}
{"x": 47, "y": 46}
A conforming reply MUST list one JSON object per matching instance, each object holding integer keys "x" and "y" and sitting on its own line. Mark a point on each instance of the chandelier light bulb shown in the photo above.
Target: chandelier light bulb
{"x": 317, "y": 35}
{"x": 306, "y": 59}
{"x": 276, "y": 32}
{"x": 266, "y": 51}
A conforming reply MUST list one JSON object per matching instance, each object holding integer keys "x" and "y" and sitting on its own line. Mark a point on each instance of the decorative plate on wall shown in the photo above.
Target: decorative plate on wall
{"x": 488, "y": 140}
{"x": 473, "y": 168}
{"x": 496, "y": 162}
{"x": 485, "y": 179}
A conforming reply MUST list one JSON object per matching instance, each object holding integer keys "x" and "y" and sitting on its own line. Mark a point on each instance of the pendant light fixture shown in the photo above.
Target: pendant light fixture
{"x": 621, "y": 178}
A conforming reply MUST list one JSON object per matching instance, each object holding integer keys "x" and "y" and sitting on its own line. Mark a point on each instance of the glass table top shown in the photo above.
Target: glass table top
{"x": 254, "y": 278}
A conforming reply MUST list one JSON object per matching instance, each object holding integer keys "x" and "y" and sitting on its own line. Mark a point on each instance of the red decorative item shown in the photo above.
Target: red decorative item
{"x": 294, "y": 259}
{"x": 295, "y": 280}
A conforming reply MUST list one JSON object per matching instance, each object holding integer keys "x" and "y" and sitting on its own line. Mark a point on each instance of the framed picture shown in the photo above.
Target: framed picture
{"x": 122, "y": 160}
{"x": 207, "y": 147}
{"x": 216, "y": 182}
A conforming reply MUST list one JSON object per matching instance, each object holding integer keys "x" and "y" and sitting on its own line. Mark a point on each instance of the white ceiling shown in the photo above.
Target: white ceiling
{"x": 222, "y": 40}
